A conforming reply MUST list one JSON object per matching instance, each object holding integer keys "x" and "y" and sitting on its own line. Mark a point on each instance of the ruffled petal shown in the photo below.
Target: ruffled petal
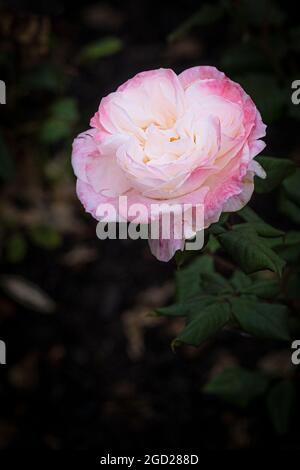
{"x": 164, "y": 250}
{"x": 202, "y": 72}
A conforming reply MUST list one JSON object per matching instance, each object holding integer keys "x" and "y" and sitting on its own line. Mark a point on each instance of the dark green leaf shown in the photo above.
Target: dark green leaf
{"x": 259, "y": 225}
{"x": 277, "y": 169}
{"x": 54, "y": 130}
{"x": 216, "y": 229}
{"x": 182, "y": 258}
{"x": 214, "y": 283}
{"x": 102, "y": 48}
{"x": 289, "y": 247}
{"x": 249, "y": 251}
{"x": 237, "y": 385}
{"x": 196, "y": 304}
{"x": 65, "y": 109}
{"x": 224, "y": 218}
{"x": 16, "y": 248}
{"x": 240, "y": 280}
{"x": 213, "y": 244}
{"x": 188, "y": 279}
{"x": 205, "y": 324}
{"x": 290, "y": 239}
{"x": 249, "y": 215}
{"x": 265, "y": 288}
{"x": 261, "y": 319}
{"x": 45, "y": 237}
{"x": 261, "y": 228}
{"x": 59, "y": 125}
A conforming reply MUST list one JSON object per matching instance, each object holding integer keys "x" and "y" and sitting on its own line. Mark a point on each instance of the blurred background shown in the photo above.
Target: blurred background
{"x": 87, "y": 366}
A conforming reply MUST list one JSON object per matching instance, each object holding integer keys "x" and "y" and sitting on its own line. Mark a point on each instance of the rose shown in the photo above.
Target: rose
{"x": 160, "y": 137}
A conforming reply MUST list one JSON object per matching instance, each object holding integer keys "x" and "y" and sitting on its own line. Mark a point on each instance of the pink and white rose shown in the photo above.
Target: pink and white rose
{"x": 176, "y": 139}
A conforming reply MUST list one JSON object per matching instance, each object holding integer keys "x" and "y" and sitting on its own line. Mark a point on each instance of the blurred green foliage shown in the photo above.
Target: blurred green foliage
{"x": 237, "y": 385}
{"x": 45, "y": 237}
{"x": 40, "y": 120}
{"x": 246, "y": 279}
{"x": 101, "y": 48}
{"x": 60, "y": 123}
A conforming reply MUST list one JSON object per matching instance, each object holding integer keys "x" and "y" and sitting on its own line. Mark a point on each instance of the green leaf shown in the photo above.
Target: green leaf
{"x": 292, "y": 238}
{"x": 217, "y": 229}
{"x": 54, "y": 130}
{"x": 240, "y": 280}
{"x": 265, "y": 288}
{"x": 196, "y": 304}
{"x": 249, "y": 215}
{"x": 224, "y": 217}
{"x": 237, "y": 386}
{"x": 290, "y": 254}
{"x": 261, "y": 228}
{"x": 16, "y": 248}
{"x": 259, "y": 225}
{"x": 249, "y": 251}
{"x": 289, "y": 247}
{"x": 59, "y": 125}
{"x": 266, "y": 230}
{"x": 7, "y": 167}
{"x": 182, "y": 258}
{"x": 45, "y": 237}
{"x": 214, "y": 283}
{"x": 261, "y": 319}
{"x": 205, "y": 324}
{"x": 102, "y": 48}
{"x": 280, "y": 401}
{"x": 188, "y": 279}
{"x": 277, "y": 169}
{"x": 213, "y": 244}
{"x": 65, "y": 109}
